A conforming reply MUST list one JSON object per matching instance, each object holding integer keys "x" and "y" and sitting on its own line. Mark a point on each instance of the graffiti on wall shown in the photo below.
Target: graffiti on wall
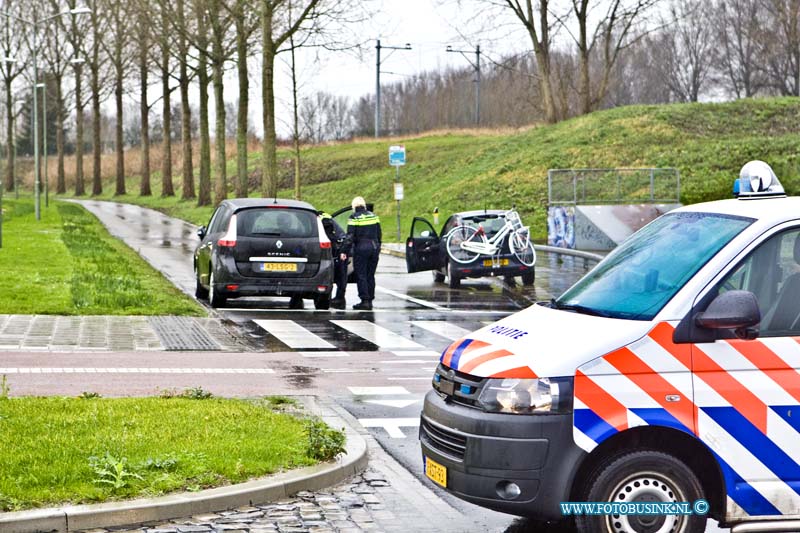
{"x": 561, "y": 226}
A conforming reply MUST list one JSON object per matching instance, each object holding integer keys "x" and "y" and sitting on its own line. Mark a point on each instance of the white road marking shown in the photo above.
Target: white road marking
{"x": 348, "y": 370}
{"x": 377, "y": 391}
{"x": 376, "y": 334}
{"x": 405, "y": 361}
{"x": 400, "y": 404}
{"x": 293, "y": 334}
{"x": 423, "y": 303}
{"x": 443, "y": 329}
{"x": 391, "y": 425}
{"x": 123, "y": 370}
{"x": 418, "y": 353}
{"x": 324, "y": 354}
{"x": 409, "y": 379}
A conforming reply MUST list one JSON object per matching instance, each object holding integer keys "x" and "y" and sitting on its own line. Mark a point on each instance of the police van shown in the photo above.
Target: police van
{"x": 669, "y": 373}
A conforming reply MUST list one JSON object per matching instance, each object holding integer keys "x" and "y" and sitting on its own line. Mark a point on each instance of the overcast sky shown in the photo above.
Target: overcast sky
{"x": 428, "y": 25}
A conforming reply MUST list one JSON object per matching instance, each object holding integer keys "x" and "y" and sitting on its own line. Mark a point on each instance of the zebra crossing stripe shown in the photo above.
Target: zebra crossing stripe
{"x": 377, "y": 391}
{"x": 123, "y": 370}
{"x": 293, "y": 334}
{"x": 376, "y": 334}
{"x": 443, "y": 329}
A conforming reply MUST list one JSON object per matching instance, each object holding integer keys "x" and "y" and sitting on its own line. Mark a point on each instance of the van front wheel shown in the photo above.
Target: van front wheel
{"x": 644, "y": 476}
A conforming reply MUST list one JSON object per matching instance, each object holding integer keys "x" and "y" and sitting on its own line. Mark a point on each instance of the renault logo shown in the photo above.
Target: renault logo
{"x": 279, "y": 244}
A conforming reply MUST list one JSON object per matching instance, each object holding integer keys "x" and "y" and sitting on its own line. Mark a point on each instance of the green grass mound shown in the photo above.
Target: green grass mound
{"x": 707, "y": 143}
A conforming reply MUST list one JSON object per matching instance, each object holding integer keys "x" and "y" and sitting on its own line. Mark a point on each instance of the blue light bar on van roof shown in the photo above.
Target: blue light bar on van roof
{"x": 757, "y": 180}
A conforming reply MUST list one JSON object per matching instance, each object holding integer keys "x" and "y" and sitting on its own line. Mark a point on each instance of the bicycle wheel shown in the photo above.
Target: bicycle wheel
{"x": 457, "y": 236}
{"x": 522, "y": 247}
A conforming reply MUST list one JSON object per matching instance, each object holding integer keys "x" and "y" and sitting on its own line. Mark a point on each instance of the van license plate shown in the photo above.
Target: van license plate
{"x": 277, "y": 267}
{"x": 436, "y": 472}
{"x": 490, "y": 262}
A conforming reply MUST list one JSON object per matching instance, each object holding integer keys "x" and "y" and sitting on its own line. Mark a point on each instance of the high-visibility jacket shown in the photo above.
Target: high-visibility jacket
{"x": 364, "y": 228}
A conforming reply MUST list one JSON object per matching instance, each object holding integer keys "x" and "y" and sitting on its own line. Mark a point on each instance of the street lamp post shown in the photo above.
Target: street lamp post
{"x": 35, "y": 26}
{"x": 43, "y": 87}
{"x": 477, "y": 66}
{"x": 378, "y": 47}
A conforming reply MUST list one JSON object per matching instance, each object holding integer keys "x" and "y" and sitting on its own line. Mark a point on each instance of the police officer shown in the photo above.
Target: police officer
{"x": 364, "y": 228}
{"x": 341, "y": 249}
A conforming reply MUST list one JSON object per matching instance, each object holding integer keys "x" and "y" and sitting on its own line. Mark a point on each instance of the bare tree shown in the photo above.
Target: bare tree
{"x": 143, "y": 40}
{"x": 220, "y": 52}
{"x": 740, "y": 26}
{"x": 275, "y": 31}
{"x": 686, "y": 51}
{"x": 540, "y": 38}
{"x": 782, "y": 58}
{"x": 186, "y": 110}
{"x": 56, "y": 56}
{"x": 244, "y": 14}
{"x": 11, "y": 41}
{"x": 77, "y": 43}
{"x": 164, "y": 38}
{"x": 120, "y": 56}
{"x": 612, "y": 34}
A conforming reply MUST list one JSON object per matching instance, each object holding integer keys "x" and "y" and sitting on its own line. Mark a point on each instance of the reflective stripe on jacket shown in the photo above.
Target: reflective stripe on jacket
{"x": 365, "y": 229}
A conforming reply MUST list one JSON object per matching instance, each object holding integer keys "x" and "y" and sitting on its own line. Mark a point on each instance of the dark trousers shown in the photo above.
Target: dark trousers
{"x": 365, "y": 262}
{"x": 340, "y": 277}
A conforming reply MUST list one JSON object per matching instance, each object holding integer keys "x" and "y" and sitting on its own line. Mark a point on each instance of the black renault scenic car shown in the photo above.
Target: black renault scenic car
{"x": 264, "y": 247}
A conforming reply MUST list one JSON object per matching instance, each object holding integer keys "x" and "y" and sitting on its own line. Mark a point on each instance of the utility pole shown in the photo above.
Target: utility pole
{"x": 477, "y": 66}
{"x": 378, "y": 47}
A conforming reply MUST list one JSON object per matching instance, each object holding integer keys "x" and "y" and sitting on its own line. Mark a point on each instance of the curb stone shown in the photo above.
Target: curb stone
{"x": 276, "y": 487}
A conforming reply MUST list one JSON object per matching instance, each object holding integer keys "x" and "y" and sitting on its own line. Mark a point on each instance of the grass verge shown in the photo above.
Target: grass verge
{"x": 67, "y": 264}
{"x": 90, "y": 449}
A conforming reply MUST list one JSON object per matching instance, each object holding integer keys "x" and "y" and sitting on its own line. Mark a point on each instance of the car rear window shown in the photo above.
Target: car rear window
{"x": 274, "y": 222}
{"x": 491, "y": 223}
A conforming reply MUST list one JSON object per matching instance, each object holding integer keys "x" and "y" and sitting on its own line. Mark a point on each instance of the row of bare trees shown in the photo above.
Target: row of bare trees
{"x": 582, "y": 55}
{"x": 123, "y": 49}
{"x": 632, "y": 52}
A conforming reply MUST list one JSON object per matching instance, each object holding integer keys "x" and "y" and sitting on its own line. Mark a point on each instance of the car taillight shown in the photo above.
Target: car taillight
{"x": 229, "y": 239}
{"x": 324, "y": 241}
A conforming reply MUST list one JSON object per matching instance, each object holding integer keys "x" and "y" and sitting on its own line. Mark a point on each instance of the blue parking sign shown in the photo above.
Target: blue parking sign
{"x": 397, "y": 155}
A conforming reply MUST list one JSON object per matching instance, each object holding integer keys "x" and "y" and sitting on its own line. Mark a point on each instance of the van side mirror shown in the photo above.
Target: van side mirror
{"x": 736, "y": 310}
{"x": 201, "y": 232}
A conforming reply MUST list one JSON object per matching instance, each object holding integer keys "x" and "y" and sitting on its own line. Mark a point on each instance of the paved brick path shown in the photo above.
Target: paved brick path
{"x": 115, "y": 333}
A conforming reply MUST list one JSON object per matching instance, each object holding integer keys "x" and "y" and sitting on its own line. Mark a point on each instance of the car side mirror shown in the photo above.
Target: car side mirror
{"x": 201, "y": 232}
{"x": 736, "y": 310}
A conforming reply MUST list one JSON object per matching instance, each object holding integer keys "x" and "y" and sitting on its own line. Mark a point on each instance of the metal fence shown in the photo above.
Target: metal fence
{"x": 595, "y": 186}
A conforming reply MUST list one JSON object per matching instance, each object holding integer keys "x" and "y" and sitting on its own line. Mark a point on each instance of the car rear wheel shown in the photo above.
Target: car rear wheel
{"x": 214, "y": 297}
{"x": 438, "y": 277}
{"x": 200, "y": 292}
{"x": 453, "y": 281}
{"x": 529, "y": 277}
{"x": 322, "y": 301}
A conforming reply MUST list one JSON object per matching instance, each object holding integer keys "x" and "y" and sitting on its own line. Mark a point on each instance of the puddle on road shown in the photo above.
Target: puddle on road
{"x": 301, "y": 376}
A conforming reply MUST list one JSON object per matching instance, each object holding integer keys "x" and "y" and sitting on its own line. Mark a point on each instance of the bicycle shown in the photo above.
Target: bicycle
{"x": 465, "y": 243}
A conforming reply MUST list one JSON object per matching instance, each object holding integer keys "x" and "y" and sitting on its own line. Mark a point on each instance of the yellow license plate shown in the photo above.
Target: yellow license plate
{"x": 489, "y": 262}
{"x": 279, "y": 267}
{"x": 436, "y": 472}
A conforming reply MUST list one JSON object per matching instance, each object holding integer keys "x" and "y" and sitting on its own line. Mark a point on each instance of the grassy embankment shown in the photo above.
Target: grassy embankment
{"x": 90, "y": 449}
{"x": 707, "y": 143}
{"x": 68, "y": 264}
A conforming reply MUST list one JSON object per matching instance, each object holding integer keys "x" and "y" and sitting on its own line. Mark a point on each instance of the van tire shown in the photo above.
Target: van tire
{"x": 646, "y": 475}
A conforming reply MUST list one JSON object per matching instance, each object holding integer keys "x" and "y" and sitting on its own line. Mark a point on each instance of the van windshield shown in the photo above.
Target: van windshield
{"x": 638, "y": 278}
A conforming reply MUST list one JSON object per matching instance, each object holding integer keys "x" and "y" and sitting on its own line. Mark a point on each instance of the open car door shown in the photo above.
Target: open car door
{"x": 341, "y": 215}
{"x": 423, "y": 247}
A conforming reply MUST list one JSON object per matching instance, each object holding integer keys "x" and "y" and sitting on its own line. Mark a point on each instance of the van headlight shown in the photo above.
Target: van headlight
{"x": 527, "y": 396}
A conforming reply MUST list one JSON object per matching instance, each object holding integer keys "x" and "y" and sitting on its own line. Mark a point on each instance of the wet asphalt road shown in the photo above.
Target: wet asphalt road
{"x": 377, "y": 365}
